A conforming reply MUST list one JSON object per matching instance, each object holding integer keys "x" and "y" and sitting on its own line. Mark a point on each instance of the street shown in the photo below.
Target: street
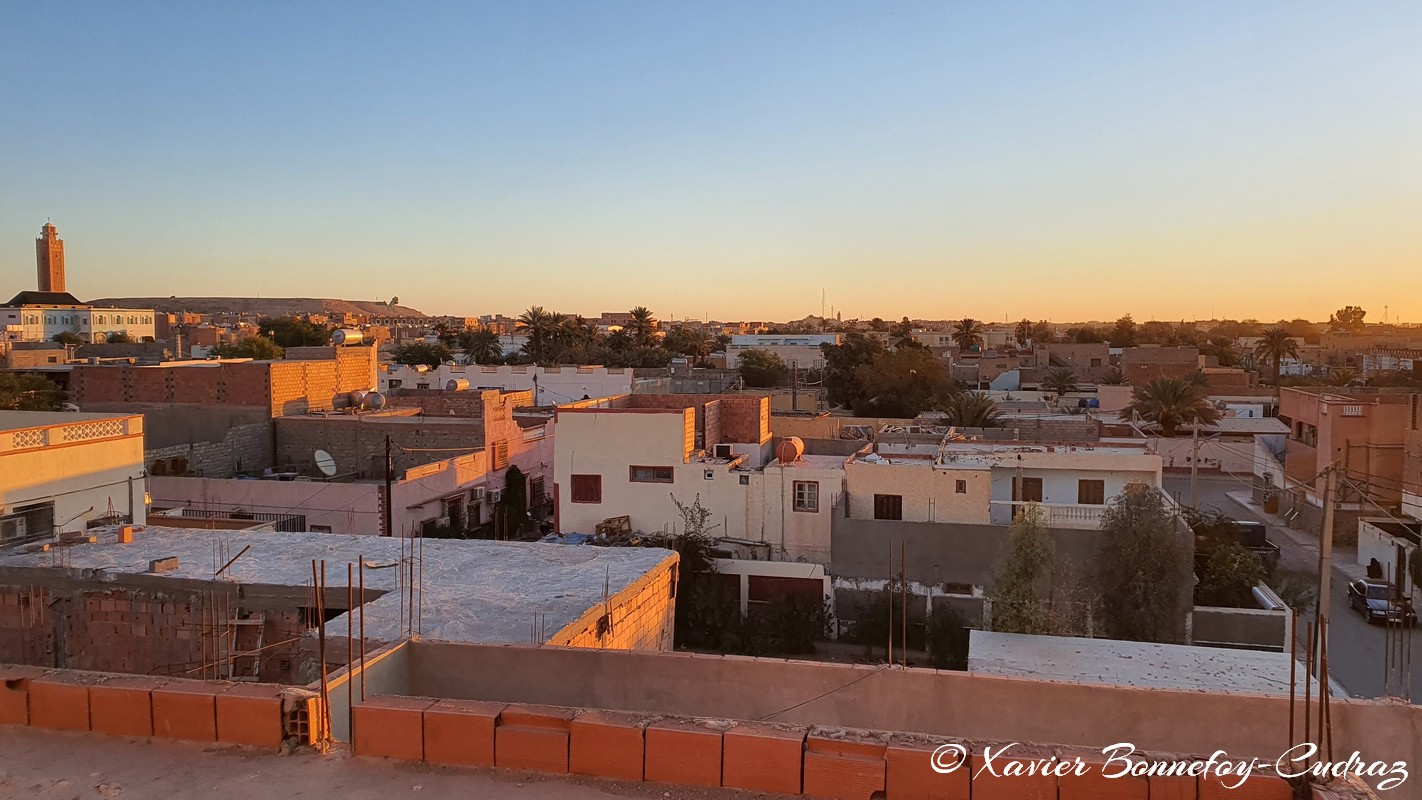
{"x": 1355, "y": 649}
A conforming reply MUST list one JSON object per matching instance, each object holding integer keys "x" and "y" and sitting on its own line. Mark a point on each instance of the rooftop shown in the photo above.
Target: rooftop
{"x": 24, "y": 420}
{"x": 983, "y": 453}
{"x": 43, "y": 299}
{"x": 474, "y": 590}
{"x": 1141, "y": 664}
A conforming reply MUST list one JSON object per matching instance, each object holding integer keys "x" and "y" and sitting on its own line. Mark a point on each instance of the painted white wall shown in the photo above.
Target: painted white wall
{"x": 555, "y": 384}
{"x": 80, "y": 462}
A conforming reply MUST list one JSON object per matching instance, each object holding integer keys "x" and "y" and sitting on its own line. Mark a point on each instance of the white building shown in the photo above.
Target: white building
{"x": 554, "y": 385}
{"x": 60, "y": 471}
{"x": 983, "y": 483}
{"x": 40, "y": 316}
{"x": 801, "y": 350}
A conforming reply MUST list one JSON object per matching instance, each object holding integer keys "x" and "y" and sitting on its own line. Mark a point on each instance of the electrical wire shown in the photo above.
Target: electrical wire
{"x": 822, "y": 696}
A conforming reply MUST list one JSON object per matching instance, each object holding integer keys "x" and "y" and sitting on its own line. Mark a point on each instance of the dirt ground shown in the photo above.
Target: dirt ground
{"x": 54, "y": 765}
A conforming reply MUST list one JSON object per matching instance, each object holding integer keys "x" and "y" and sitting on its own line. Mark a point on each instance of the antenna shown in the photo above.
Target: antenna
{"x": 325, "y": 463}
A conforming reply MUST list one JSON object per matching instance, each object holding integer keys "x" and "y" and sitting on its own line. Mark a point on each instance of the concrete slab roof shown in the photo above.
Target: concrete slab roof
{"x": 1144, "y": 664}
{"x": 474, "y": 590}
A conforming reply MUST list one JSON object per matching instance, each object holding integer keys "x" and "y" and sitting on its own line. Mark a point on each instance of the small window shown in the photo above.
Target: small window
{"x": 1095, "y": 362}
{"x": 961, "y": 487}
{"x": 320, "y": 528}
{"x": 745, "y": 480}
{"x": 807, "y": 496}
{"x": 587, "y": 488}
{"x": 501, "y": 455}
{"x": 1031, "y": 491}
{"x": 650, "y": 474}
{"x": 1091, "y": 493}
{"x": 888, "y": 506}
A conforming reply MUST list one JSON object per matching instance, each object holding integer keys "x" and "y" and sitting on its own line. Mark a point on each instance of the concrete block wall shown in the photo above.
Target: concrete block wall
{"x": 358, "y": 443}
{"x": 242, "y": 448}
{"x": 640, "y": 617}
{"x": 254, "y": 714}
{"x": 783, "y": 759}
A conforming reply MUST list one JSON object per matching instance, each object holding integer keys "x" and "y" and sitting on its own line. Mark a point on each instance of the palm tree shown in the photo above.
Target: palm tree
{"x": 971, "y": 410}
{"x": 1060, "y": 380}
{"x": 1113, "y": 377}
{"x": 619, "y": 341}
{"x": 481, "y": 346}
{"x": 698, "y": 344}
{"x": 1342, "y": 376}
{"x": 643, "y": 325}
{"x": 538, "y": 323}
{"x": 1223, "y": 349}
{"x": 1274, "y": 347}
{"x": 968, "y": 334}
{"x": 1172, "y": 403}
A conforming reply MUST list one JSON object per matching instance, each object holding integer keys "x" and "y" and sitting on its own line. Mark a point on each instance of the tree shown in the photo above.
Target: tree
{"x": 447, "y": 332}
{"x": 1060, "y": 380}
{"x": 694, "y": 343}
{"x": 903, "y": 329}
{"x": 1141, "y": 567}
{"x": 761, "y": 368}
{"x": 1273, "y": 347}
{"x": 947, "y": 637}
{"x": 968, "y": 333}
{"x": 842, "y": 362}
{"x": 537, "y": 323}
{"x": 293, "y": 331}
{"x": 1022, "y": 334}
{"x": 427, "y": 353}
{"x": 1171, "y": 403}
{"x": 1043, "y": 333}
{"x": 1085, "y": 334}
{"x": 119, "y": 337}
{"x": 513, "y": 504}
{"x": 67, "y": 337}
{"x": 257, "y": 347}
{"x": 1113, "y": 377}
{"x": 1022, "y": 576}
{"x": 1223, "y": 349}
{"x": 1342, "y": 377}
{"x": 1123, "y": 333}
{"x": 902, "y": 383}
{"x": 1348, "y": 319}
{"x": 971, "y": 410}
{"x": 643, "y": 326}
{"x": 481, "y": 346}
{"x": 1231, "y": 573}
{"x": 21, "y": 392}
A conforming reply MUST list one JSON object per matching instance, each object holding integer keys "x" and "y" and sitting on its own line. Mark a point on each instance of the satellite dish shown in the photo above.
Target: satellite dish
{"x": 325, "y": 463}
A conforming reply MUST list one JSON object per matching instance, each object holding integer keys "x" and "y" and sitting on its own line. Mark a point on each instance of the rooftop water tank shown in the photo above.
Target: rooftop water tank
{"x": 346, "y": 336}
{"x": 456, "y": 385}
{"x": 789, "y": 450}
{"x": 375, "y": 401}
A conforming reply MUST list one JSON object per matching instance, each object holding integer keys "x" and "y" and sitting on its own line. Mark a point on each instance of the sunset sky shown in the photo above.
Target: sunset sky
{"x": 998, "y": 160}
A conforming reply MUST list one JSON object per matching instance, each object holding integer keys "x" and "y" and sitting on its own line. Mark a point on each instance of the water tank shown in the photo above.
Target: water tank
{"x": 789, "y": 450}
{"x": 375, "y": 401}
{"x": 1092, "y": 402}
{"x": 358, "y": 398}
{"x": 346, "y": 336}
{"x": 456, "y": 385}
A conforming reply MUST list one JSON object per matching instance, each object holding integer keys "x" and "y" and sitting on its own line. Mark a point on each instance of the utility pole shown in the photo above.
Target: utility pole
{"x": 1325, "y": 548}
{"x": 794, "y": 386}
{"x": 389, "y": 479}
{"x": 1195, "y": 465}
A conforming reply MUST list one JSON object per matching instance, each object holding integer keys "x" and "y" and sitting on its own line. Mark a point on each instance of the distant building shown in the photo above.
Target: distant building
{"x": 49, "y": 256}
{"x": 799, "y": 349}
{"x": 36, "y": 316}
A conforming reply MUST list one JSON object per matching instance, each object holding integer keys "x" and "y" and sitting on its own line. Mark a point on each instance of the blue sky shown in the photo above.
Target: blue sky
{"x": 998, "y": 160}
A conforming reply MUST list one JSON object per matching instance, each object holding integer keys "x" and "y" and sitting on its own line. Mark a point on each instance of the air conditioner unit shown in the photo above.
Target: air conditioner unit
{"x": 478, "y": 494}
{"x": 496, "y": 495}
{"x": 722, "y": 451}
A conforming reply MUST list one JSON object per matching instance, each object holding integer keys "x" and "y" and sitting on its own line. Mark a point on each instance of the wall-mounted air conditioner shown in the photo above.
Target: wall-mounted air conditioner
{"x": 496, "y": 495}
{"x": 478, "y": 494}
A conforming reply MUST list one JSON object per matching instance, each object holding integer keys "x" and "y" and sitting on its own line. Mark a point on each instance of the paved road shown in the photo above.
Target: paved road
{"x": 1356, "y": 650}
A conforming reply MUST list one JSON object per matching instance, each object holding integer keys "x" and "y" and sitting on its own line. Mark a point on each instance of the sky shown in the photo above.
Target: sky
{"x": 737, "y": 160}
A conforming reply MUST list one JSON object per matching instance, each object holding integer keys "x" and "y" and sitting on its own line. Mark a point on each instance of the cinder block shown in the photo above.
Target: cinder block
{"x": 910, "y": 773}
{"x": 682, "y": 751}
{"x": 461, "y": 732}
{"x": 123, "y": 706}
{"x": 1255, "y": 787}
{"x": 606, "y": 744}
{"x": 59, "y": 702}
{"x": 186, "y": 709}
{"x": 15, "y": 693}
{"x": 996, "y": 782}
{"x": 533, "y": 738}
{"x": 851, "y": 768}
{"x": 250, "y": 714}
{"x": 763, "y": 758}
{"x": 1093, "y": 784}
{"x": 390, "y": 727}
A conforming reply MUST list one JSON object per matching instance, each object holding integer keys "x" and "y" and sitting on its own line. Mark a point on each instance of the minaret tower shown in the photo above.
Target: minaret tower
{"x": 49, "y": 257}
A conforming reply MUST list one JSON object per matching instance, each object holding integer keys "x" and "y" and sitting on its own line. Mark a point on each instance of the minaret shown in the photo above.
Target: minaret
{"x": 49, "y": 256}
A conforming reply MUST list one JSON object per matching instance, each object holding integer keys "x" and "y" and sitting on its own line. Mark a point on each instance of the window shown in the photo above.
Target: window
{"x": 1030, "y": 490}
{"x": 395, "y": 384}
{"x": 961, "y": 487}
{"x": 1091, "y": 493}
{"x": 888, "y": 506}
{"x": 501, "y": 455}
{"x": 807, "y": 496}
{"x": 650, "y": 474}
{"x": 587, "y": 488}
{"x": 320, "y": 528}
{"x": 1095, "y": 362}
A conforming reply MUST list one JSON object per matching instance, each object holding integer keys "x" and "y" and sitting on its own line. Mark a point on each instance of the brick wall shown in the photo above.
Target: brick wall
{"x": 357, "y": 443}
{"x": 742, "y": 418}
{"x": 640, "y": 617}
{"x": 242, "y": 448}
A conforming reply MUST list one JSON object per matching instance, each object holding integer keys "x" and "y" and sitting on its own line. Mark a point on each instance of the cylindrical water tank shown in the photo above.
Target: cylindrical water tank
{"x": 375, "y": 401}
{"x": 456, "y": 385}
{"x": 789, "y": 450}
{"x": 345, "y": 336}
{"x": 358, "y": 398}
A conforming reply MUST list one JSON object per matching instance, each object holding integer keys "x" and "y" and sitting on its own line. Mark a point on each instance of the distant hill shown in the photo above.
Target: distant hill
{"x": 264, "y": 306}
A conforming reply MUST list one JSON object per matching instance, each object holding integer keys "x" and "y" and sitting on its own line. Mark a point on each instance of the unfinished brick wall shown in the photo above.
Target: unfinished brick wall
{"x": 640, "y": 617}
{"x": 358, "y": 443}
{"x": 742, "y": 418}
{"x": 242, "y": 448}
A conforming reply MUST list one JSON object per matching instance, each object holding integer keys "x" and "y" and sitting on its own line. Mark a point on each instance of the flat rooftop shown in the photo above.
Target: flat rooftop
{"x": 21, "y": 420}
{"x": 983, "y": 453}
{"x": 474, "y": 590}
{"x": 1143, "y": 664}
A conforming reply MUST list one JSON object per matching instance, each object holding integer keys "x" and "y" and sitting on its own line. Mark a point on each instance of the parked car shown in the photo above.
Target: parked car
{"x": 1378, "y": 601}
